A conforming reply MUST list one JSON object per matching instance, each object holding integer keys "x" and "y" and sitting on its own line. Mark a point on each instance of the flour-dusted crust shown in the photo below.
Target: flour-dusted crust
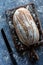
{"x": 25, "y": 26}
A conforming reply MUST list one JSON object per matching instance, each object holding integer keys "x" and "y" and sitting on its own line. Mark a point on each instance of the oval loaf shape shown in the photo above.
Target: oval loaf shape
{"x": 25, "y": 26}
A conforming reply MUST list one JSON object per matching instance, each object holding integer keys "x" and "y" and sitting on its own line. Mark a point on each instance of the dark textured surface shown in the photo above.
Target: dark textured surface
{"x": 4, "y": 55}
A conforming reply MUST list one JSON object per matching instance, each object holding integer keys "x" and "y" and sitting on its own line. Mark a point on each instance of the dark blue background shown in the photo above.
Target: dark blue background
{"x": 4, "y": 55}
